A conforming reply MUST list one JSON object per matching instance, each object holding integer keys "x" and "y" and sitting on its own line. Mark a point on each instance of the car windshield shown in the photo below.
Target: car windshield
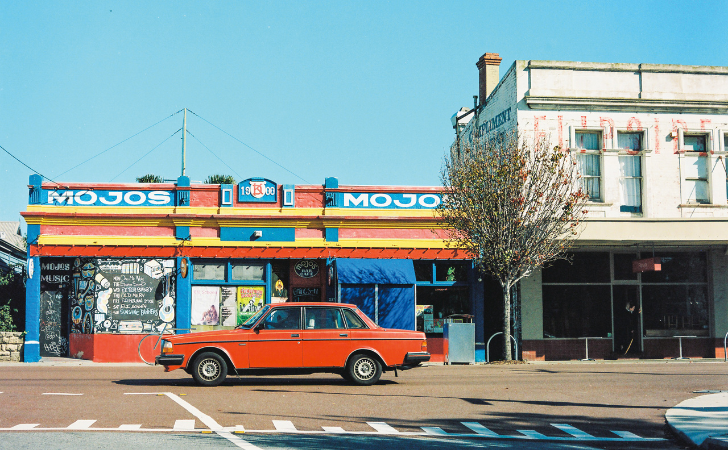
{"x": 250, "y": 322}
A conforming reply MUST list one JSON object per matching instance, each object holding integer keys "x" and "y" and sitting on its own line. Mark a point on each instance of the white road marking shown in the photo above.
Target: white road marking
{"x": 480, "y": 429}
{"x": 184, "y": 425}
{"x": 25, "y": 426}
{"x": 333, "y": 429}
{"x": 130, "y": 427}
{"x": 80, "y": 425}
{"x": 435, "y": 431}
{"x": 212, "y": 424}
{"x": 382, "y": 427}
{"x": 627, "y": 435}
{"x": 531, "y": 434}
{"x": 577, "y": 433}
{"x": 284, "y": 425}
{"x": 59, "y": 393}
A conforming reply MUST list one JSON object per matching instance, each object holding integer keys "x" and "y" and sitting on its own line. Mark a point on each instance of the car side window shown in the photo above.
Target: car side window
{"x": 323, "y": 319}
{"x": 352, "y": 320}
{"x": 283, "y": 319}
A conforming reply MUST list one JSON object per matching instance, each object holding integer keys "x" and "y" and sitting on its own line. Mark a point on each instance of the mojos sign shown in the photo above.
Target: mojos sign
{"x": 390, "y": 200}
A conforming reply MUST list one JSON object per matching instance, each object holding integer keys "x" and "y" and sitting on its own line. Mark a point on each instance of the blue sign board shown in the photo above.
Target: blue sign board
{"x": 260, "y": 190}
{"x": 389, "y": 200}
{"x": 107, "y": 198}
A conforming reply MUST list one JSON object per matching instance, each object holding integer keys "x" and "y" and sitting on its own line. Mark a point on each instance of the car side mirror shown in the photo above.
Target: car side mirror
{"x": 260, "y": 326}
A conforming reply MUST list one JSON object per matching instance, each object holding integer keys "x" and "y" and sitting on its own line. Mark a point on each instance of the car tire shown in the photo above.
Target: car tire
{"x": 363, "y": 370}
{"x": 209, "y": 369}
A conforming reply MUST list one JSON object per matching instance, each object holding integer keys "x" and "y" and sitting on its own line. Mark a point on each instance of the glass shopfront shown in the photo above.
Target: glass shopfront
{"x": 597, "y": 294}
{"x": 442, "y": 294}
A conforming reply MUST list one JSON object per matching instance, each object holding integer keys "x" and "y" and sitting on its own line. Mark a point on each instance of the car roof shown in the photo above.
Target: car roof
{"x": 313, "y": 304}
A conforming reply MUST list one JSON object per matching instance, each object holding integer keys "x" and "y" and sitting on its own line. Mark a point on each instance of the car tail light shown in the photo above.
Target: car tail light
{"x": 166, "y": 347}
{"x": 424, "y": 346}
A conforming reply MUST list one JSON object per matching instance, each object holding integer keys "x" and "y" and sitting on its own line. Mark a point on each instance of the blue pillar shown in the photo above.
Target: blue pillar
{"x": 31, "y": 349}
{"x": 477, "y": 302}
{"x": 184, "y": 296}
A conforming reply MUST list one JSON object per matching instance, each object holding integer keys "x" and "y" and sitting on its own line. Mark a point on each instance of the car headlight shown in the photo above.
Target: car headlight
{"x": 166, "y": 347}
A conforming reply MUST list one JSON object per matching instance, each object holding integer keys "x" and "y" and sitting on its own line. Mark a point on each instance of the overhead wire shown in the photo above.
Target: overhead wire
{"x": 118, "y": 144}
{"x": 251, "y": 148}
{"x": 21, "y": 162}
{"x": 147, "y": 153}
{"x": 240, "y": 177}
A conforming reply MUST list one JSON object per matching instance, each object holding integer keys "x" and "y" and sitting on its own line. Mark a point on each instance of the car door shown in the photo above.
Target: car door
{"x": 277, "y": 341}
{"x": 325, "y": 337}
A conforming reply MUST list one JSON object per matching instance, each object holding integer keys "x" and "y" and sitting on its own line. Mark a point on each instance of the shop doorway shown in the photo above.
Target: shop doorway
{"x": 627, "y": 326}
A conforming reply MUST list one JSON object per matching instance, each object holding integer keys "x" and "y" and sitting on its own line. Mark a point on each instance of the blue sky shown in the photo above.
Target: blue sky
{"x": 362, "y": 91}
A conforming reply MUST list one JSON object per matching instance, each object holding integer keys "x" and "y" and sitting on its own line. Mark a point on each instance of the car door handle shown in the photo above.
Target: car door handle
{"x": 343, "y": 335}
{"x": 295, "y": 335}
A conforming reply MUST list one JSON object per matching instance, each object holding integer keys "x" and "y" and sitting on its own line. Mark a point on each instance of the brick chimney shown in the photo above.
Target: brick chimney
{"x": 488, "y": 66}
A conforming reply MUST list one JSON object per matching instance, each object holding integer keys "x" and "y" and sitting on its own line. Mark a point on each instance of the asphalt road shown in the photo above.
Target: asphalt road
{"x": 561, "y": 405}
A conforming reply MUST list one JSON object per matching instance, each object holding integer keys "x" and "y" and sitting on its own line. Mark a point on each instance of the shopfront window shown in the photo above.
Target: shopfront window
{"x": 675, "y": 299}
{"x": 226, "y": 293}
{"x": 248, "y": 271}
{"x": 209, "y": 271}
{"x": 437, "y": 304}
{"x": 584, "y": 300}
{"x": 576, "y": 311}
{"x": 450, "y": 272}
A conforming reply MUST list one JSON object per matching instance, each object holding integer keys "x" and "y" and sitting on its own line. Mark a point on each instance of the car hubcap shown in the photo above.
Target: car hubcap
{"x": 209, "y": 369}
{"x": 364, "y": 369}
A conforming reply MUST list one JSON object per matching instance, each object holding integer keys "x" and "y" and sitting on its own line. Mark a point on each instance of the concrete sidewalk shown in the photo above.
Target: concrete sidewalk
{"x": 701, "y": 421}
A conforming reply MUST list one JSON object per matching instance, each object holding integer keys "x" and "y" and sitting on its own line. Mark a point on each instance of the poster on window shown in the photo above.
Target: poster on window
{"x": 250, "y": 300}
{"x": 205, "y": 305}
{"x": 228, "y": 307}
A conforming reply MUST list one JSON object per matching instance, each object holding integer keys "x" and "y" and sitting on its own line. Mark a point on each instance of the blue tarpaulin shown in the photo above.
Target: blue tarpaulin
{"x": 395, "y": 278}
{"x": 375, "y": 271}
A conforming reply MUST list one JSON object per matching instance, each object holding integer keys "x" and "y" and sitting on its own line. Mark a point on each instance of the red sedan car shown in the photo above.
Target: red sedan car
{"x": 296, "y": 338}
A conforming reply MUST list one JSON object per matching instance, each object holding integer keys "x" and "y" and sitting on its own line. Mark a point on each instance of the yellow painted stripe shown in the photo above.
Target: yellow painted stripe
{"x": 157, "y": 241}
{"x": 233, "y": 212}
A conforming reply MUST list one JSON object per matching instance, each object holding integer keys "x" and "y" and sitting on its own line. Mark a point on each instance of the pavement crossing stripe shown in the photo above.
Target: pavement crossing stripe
{"x": 436, "y": 431}
{"x": 184, "y": 425}
{"x": 382, "y": 427}
{"x": 212, "y": 424}
{"x": 130, "y": 427}
{"x": 480, "y": 429}
{"x": 284, "y": 425}
{"x": 25, "y": 426}
{"x": 626, "y": 435}
{"x": 572, "y": 431}
{"x": 531, "y": 434}
{"x": 333, "y": 429}
{"x": 80, "y": 424}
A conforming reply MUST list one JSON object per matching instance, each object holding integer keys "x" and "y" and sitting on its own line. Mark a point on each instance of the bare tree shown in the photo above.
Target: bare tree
{"x": 512, "y": 205}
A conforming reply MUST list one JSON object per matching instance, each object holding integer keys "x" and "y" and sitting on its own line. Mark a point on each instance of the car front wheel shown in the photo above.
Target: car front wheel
{"x": 364, "y": 370}
{"x": 209, "y": 369}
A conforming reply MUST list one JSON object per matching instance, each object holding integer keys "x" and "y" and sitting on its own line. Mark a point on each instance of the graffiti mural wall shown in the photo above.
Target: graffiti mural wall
{"x": 122, "y": 295}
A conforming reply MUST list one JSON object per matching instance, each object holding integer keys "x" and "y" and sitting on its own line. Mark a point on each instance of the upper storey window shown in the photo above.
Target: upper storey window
{"x": 589, "y": 160}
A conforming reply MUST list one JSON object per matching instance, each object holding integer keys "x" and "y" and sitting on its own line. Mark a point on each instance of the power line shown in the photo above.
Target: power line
{"x": 147, "y": 153}
{"x": 21, "y": 162}
{"x": 116, "y": 145}
{"x": 256, "y": 151}
{"x": 240, "y": 177}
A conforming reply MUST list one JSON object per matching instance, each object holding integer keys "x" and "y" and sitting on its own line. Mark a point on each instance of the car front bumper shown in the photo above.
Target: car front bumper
{"x": 170, "y": 360}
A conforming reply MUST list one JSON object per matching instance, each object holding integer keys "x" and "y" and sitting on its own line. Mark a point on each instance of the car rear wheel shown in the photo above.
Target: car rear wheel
{"x": 209, "y": 369}
{"x": 364, "y": 370}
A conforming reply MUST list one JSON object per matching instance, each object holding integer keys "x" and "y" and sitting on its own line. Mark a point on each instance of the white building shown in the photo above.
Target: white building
{"x": 652, "y": 143}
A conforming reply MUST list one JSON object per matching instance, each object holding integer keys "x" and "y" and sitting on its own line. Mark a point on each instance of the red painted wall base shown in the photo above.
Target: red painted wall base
{"x": 654, "y": 348}
{"x": 117, "y": 348}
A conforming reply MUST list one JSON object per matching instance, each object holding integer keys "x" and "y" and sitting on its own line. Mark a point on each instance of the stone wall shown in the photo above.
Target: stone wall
{"x": 11, "y": 346}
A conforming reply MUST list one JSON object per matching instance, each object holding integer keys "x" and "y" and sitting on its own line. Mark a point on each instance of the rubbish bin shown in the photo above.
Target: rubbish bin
{"x": 460, "y": 342}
